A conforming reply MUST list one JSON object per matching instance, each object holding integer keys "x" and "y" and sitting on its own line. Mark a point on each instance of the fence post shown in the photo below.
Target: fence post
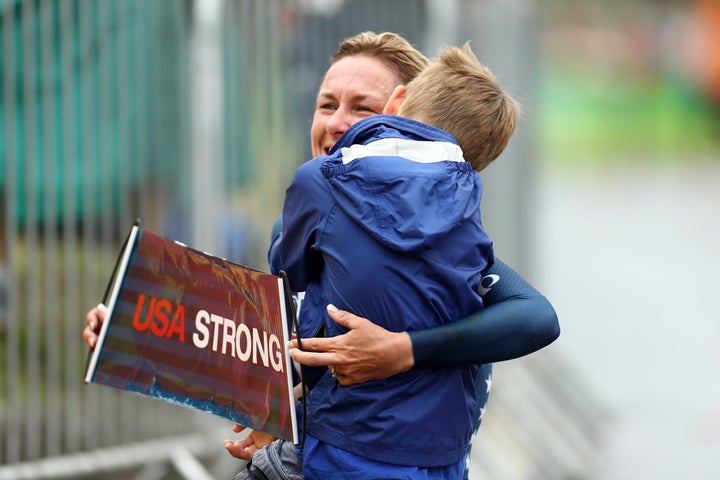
{"x": 206, "y": 124}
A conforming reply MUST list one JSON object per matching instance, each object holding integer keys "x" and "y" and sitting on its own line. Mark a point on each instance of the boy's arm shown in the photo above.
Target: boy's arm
{"x": 517, "y": 321}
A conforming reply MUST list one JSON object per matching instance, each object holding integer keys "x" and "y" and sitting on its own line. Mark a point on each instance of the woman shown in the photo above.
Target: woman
{"x": 516, "y": 321}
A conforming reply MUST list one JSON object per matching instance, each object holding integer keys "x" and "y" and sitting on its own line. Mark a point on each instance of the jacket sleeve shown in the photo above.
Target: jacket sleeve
{"x": 516, "y": 321}
{"x": 292, "y": 248}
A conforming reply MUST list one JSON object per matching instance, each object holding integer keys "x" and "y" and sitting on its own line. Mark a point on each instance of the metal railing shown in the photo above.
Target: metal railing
{"x": 88, "y": 88}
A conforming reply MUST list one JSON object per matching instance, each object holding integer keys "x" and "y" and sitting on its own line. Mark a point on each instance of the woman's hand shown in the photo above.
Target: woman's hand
{"x": 366, "y": 352}
{"x": 245, "y": 448}
{"x": 94, "y": 320}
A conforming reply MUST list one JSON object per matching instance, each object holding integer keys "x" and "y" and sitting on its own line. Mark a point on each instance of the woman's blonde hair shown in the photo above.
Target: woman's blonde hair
{"x": 458, "y": 94}
{"x": 392, "y": 49}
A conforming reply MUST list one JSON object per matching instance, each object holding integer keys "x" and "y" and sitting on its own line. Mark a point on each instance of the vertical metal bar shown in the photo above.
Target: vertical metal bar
{"x": 136, "y": 132}
{"x": 12, "y": 451}
{"x": 31, "y": 68}
{"x": 143, "y": 21}
{"x": 275, "y": 91}
{"x": 86, "y": 93}
{"x": 48, "y": 322}
{"x": 147, "y": 72}
{"x": 105, "y": 161}
{"x": 230, "y": 159}
{"x": 227, "y": 160}
{"x": 72, "y": 180}
{"x": 206, "y": 132}
{"x": 117, "y": 95}
{"x": 186, "y": 120}
{"x": 122, "y": 89}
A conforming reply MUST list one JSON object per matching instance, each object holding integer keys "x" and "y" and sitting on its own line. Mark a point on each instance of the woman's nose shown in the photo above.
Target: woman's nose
{"x": 339, "y": 122}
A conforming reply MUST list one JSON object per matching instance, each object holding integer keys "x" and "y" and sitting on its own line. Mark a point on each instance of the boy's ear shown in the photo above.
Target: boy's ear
{"x": 392, "y": 107}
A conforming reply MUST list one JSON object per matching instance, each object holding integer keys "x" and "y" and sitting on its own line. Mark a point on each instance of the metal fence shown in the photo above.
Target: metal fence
{"x": 191, "y": 116}
{"x": 92, "y": 132}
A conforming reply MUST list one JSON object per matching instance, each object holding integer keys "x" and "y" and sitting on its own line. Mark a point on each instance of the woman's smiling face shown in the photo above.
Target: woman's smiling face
{"x": 354, "y": 88}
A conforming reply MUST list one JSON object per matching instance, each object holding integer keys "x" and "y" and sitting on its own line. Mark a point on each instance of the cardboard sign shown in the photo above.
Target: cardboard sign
{"x": 197, "y": 330}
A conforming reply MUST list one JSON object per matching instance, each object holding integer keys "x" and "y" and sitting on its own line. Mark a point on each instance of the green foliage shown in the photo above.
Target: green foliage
{"x": 585, "y": 117}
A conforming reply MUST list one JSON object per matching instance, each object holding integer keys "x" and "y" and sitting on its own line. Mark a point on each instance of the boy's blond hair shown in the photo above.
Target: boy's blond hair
{"x": 458, "y": 94}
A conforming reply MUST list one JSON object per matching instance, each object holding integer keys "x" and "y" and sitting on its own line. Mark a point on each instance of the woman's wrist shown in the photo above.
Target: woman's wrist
{"x": 423, "y": 344}
{"x": 404, "y": 346}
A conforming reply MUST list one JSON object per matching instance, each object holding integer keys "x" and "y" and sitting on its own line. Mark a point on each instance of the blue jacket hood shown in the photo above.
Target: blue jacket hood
{"x": 404, "y": 182}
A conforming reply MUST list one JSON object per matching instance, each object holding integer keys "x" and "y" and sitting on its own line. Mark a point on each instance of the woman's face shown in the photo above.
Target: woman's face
{"x": 354, "y": 88}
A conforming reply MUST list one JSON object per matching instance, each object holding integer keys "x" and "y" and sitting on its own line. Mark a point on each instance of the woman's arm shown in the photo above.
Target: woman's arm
{"x": 518, "y": 320}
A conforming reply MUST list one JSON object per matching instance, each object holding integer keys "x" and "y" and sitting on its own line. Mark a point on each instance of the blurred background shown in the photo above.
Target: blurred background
{"x": 192, "y": 115}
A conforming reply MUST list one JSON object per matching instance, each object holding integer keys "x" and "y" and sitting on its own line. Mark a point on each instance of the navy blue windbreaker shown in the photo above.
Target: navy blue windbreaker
{"x": 387, "y": 226}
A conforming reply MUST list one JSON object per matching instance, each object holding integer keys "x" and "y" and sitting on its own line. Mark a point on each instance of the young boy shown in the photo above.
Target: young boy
{"x": 387, "y": 225}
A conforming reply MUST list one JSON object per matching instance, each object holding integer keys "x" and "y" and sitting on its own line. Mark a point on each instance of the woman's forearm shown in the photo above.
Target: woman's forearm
{"x": 517, "y": 321}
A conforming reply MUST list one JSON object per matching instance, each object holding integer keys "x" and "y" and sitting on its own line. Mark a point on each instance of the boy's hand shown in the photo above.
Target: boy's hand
{"x": 94, "y": 319}
{"x": 245, "y": 448}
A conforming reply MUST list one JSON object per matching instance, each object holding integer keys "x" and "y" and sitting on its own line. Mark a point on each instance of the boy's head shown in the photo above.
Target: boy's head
{"x": 458, "y": 94}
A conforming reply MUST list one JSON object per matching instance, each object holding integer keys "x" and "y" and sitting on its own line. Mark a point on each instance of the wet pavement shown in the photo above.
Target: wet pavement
{"x": 631, "y": 260}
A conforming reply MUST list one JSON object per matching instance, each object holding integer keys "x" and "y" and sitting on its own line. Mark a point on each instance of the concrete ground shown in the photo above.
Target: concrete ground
{"x": 630, "y": 258}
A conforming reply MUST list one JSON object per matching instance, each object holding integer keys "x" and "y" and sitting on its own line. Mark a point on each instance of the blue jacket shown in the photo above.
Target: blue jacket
{"x": 388, "y": 227}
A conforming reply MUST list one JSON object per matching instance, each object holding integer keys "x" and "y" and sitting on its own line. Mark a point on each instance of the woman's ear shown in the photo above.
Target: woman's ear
{"x": 397, "y": 97}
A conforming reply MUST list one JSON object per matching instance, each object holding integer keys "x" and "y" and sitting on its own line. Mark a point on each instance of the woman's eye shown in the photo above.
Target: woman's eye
{"x": 327, "y": 106}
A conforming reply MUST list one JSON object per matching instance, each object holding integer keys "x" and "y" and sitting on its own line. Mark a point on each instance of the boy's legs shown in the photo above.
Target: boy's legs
{"x": 277, "y": 461}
